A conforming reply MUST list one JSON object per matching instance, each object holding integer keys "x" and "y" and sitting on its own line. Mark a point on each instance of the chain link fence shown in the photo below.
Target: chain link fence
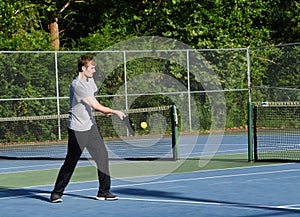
{"x": 36, "y": 84}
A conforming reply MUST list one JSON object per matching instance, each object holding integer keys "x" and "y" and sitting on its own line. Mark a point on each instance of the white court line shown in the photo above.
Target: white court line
{"x": 172, "y": 201}
{"x": 185, "y": 179}
{"x": 291, "y": 206}
{"x": 184, "y": 145}
{"x": 38, "y": 165}
{"x": 27, "y": 168}
{"x": 191, "y": 202}
{"x": 244, "y": 206}
{"x": 202, "y": 171}
{"x": 236, "y": 205}
{"x": 199, "y": 153}
{"x": 191, "y": 179}
{"x": 209, "y": 177}
{"x": 212, "y": 144}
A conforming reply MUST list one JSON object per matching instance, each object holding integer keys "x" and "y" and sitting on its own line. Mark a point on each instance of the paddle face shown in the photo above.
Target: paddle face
{"x": 130, "y": 125}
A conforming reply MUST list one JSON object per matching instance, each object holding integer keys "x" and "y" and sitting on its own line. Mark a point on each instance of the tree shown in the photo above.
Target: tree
{"x": 70, "y": 24}
{"x": 56, "y": 9}
{"x": 21, "y": 27}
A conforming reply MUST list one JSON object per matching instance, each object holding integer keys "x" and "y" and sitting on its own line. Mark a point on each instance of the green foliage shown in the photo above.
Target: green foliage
{"x": 92, "y": 25}
{"x": 275, "y": 73}
{"x": 29, "y": 76}
{"x": 95, "y": 25}
{"x": 21, "y": 27}
{"x": 209, "y": 24}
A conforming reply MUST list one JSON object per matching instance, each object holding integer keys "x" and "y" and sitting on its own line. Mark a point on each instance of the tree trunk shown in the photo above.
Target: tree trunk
{"x": 54, "y": 33}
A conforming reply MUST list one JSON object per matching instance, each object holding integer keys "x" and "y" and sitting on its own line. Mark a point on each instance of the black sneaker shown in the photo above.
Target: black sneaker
{"x": 55, "y": 198}
{"x": 106, "y": 196}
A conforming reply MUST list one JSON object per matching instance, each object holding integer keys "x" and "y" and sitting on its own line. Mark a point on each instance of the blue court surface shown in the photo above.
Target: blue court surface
{"x": 248, "y": 191}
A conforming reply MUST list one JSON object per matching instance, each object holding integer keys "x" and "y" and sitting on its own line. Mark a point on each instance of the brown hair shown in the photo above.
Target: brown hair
{"x": 84, "y": 61}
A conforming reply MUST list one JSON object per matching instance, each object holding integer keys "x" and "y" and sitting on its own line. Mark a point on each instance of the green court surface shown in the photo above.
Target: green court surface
{"x": 127, "y": 169}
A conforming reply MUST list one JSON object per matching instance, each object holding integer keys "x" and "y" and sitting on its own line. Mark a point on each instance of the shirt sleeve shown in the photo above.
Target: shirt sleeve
{"x": 85, "y": 90}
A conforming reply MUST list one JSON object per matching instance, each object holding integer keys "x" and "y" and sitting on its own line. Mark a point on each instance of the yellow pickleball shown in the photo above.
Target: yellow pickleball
{"x": 144, "y": 125}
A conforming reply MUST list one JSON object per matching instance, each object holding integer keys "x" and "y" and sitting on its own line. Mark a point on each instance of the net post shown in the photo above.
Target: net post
{"x": 250, "y": 136}
{"x": 255, "y": 132}
{"x": 174, "y": 133}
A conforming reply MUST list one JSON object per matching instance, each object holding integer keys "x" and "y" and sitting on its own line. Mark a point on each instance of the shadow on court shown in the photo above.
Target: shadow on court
{"x": 23, "y": 192}
{"x": 178, "y": 197}
{"x": 32, "y": 193}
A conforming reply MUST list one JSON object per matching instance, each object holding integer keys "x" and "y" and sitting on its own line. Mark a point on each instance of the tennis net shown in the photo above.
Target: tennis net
{"x": 157, "y": 141}
{"x": 276, "y": 131}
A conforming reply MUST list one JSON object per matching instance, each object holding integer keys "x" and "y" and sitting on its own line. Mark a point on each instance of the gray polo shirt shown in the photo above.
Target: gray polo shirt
{"x": 80, "y": 114}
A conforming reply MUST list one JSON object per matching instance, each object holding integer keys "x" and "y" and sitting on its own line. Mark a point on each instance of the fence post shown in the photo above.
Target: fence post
{"x": 57, "y": 95}
{"x": 250, "y": 141}
{"x": 125, "y": 79}
{"x": 189, "y": 87}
